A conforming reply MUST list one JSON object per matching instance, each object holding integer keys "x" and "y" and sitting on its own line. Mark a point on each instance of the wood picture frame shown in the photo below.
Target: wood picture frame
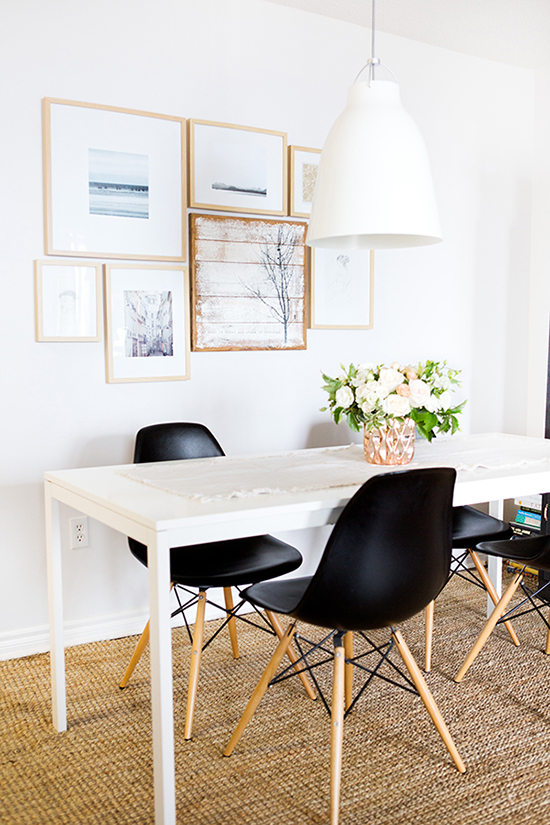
{"x": 342, "y": 288}
{"x": 114, "y": 182}
{"x": 67, "y": 301}
{"x": 248, "y": 283}
{"x": 147, "y": 331}
{"x": 237, "y": 168}
{"x": 303, "y": 164}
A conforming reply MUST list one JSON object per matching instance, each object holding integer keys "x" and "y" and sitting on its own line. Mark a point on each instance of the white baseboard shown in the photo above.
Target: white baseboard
{"x": 31, "y": 640}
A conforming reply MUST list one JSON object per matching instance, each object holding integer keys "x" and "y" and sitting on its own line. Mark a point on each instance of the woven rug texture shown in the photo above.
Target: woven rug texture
{"x": 396, "y": 770}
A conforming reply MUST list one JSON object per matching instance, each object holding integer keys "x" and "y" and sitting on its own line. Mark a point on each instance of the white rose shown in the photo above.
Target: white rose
{"x": 433, "y": 404}
{"x": 344, "y": 397}
{"x": 368, "y": 405}
{"x": 377, "y": 389}
{"x": 396, "y": 405}
{"x": 391, "y": 378}
{"x": 364, "y": 373}
{"x": 395, "y": 365}
{"x": 446, "y": 400}
{"x": 420, "y": 393}
{"x": 442, "y": 382}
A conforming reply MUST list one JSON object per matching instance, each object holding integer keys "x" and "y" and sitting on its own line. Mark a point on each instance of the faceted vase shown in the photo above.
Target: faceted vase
{"x": 391, "y": 444}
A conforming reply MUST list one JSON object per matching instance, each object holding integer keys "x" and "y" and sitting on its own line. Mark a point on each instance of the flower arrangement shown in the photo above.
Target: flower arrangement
{"x": 373, "y": 395}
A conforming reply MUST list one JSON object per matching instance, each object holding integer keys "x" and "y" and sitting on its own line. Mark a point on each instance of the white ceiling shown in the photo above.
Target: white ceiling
{"x": 510, "y": 31}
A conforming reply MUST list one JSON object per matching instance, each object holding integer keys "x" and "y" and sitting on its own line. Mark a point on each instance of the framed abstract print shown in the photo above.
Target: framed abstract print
{"x": 342, "y": 289}
{"x": 67, "y": 300}
{"x": 303, "y": 166}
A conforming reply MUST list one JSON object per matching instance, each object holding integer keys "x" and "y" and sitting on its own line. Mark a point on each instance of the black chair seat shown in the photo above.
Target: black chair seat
{"x": 227, "y": 563}
{"x": 280, "y": 597}
{"x": 470, "y": 526}
{"x": 531, "y": 550}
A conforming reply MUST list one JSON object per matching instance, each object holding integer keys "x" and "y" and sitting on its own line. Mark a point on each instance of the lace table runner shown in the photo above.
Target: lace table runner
{"x": 225, "y": 477}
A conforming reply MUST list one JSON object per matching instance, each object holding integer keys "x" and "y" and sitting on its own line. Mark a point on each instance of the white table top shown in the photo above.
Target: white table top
{"x": 514, "y": 465}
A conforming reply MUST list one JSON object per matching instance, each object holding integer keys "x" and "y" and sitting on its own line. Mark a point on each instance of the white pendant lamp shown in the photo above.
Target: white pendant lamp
{"x": 374, "y": 187}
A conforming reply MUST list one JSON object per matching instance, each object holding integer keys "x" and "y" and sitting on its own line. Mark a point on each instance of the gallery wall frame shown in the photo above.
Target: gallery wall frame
{"x": 249, "y": 283}
{"x": 303, "y": 164}
{"x": 114, "y": 182}
{"x": 147, "y": 330}
{"x": 342, "y": 288}
{"x": 67, "y": 300}
{"x": 236, "y": 168}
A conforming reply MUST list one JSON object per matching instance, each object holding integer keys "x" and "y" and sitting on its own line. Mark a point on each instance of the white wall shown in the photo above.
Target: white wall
{"x": 254, "y": 63}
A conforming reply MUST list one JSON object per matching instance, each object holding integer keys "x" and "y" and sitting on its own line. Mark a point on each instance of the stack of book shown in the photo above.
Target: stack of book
{"x": 528, "y": 516}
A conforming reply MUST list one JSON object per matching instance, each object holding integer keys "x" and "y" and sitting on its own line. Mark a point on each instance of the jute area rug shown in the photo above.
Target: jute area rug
{"x": 396, "y": 769}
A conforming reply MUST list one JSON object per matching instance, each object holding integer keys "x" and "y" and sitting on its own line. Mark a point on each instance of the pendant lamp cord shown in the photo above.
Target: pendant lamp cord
{"x": 373, "y": 61}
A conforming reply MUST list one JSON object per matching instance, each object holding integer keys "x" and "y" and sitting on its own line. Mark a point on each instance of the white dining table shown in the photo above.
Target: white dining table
{"x": 166, "y": 512}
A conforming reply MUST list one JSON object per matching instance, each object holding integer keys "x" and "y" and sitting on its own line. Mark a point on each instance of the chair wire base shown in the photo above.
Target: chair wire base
{"x": 530, "y": 596}
{"x": 309, "y": 649}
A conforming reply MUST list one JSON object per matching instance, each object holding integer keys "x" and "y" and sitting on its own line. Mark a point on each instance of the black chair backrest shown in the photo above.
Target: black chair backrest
{"x": 173, "y": 442}
{"x": 388, "y": 555}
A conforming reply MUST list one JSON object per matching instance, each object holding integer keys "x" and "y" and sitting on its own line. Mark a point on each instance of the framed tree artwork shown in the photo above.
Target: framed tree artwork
{"x": 67, "y": 300}
{"x": 249, "y": 283}
{"x": 342, "y": 289}
{"x": 114, "y": 182}
{"x": 147, "y": 323}
{"x": 237, "y": 168}
{"x": 303, "y": 166}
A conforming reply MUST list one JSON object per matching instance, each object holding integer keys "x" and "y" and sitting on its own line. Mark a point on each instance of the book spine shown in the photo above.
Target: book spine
{"x": 523, "y": 529}
{"x": 533, "y": 502}
{"x": 525, "y": 517}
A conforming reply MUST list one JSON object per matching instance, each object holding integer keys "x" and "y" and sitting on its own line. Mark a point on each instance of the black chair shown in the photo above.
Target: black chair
{"x": 225, "y": 564}
{"x": 386, "y": 559}
{"x": 533, "y": 552}
{"x": 470, "y": 526}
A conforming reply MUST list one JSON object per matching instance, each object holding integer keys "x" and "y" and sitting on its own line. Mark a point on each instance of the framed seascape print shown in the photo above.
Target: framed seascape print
{"x": 303, "y": 166}
{"x": 341, "y": 288}
{"x": 114, "y": 182}
{"x": 237, "y": 168}
{"x": 67, "y": 300}
{"x": 248, "y": 283}
{"x": 147, "y": 323}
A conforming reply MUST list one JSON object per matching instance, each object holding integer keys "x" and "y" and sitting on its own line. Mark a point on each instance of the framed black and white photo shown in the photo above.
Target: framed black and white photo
{"x": 114, "y": 182}
{"x": 303, "y": 166}
{"x": 342, "y": 289}
{"x": 147, "y": 322}
{"x": 237, "y": 168}
{"x": 249, "y": 283}
{"x": 67, "y": 300}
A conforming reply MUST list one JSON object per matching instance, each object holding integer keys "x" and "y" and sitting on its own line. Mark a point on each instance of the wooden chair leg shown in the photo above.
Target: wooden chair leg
{"x": 232, "y": 624}
{"x": 427, "y": 698}
{"x": 140, "y": 647}
{"x": 547, "y": 649}
{"x": 499, "y": 611}
{"x": 261, "y": 687}
{"x": 489, "y": 586}
{"x": 278, "y": 628}
{"x": 195, "y": 665}
{"x": 429, "y": 631}
{"x": 348, "y": 687}
{"x": 337, "y": 730}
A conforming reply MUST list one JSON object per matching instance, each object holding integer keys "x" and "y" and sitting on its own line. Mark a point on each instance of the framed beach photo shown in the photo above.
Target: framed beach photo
{"x": 342, "y": 289}
{"x": 249, "y": 283}
{"x": 67, "y": 300}
{"x": 303, "y": 166}
{"x": 147, "y": 323}
{"x": 237, "y": 168}
{"x": 114, "y": 182}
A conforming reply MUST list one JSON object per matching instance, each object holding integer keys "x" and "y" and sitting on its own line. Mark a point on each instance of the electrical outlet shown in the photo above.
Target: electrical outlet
{"x": 79, "y": 532}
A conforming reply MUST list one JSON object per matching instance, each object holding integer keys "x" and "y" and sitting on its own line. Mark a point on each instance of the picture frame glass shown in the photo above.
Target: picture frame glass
{"x": 147, "y": 331}
{"x": 68, "y": 296}
{"x": 238, "y": 169}
{"x": 342, "y": 288}
{"x": 305, "y": 166}
{"x": 116, "y": 183}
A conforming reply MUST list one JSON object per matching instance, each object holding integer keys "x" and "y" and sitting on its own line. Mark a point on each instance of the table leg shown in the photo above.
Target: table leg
{"x": 161, "y": 680}
{"x": 55, "y": 602}
{"x": 494, "y": 565}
